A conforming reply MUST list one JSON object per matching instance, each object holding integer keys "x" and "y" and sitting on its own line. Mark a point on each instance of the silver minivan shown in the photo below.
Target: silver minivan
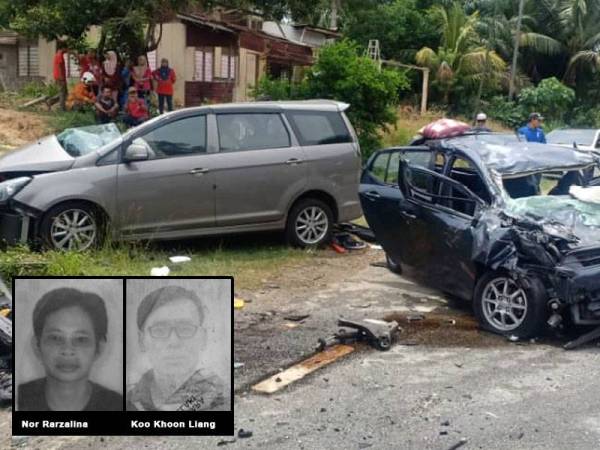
{"x": 211, "y": 170}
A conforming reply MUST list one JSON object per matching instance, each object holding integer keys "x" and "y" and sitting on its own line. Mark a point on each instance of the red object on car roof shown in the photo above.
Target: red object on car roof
{"x": 444, "y": 128}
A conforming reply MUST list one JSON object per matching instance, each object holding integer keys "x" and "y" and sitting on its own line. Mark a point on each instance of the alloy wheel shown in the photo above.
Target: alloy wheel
{"x": 504, "y": 304}
{"x": 311, "y": 225}
{"x": 73, "y": 229}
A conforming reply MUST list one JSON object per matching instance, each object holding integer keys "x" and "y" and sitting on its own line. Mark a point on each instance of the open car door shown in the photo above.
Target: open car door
{"x": 383, "y": 202}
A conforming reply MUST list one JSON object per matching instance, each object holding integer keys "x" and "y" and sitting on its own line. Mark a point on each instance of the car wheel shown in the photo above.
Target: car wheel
{"x": 309, "y": 223}
{"x": 507, "y": 306}
{"x": 71, "y": 226}
{"x": 392, "y": 265}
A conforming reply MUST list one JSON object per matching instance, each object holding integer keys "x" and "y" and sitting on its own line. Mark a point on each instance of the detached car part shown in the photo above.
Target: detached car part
{"x": 377, "y": 333}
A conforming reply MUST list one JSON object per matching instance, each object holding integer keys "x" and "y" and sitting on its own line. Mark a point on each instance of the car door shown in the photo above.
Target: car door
{"x": 260, "y": 168}
{"x": 445, "y": 211}
{"x": 384, "y": 204}
{"x": 172, "y": 192}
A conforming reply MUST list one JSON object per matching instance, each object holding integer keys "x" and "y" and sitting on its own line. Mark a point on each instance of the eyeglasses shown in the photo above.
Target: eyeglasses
{"x": 183, "y": 331}
{"x": 59, "y": 340}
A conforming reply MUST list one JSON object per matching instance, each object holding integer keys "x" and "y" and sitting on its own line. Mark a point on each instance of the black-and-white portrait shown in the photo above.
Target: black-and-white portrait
{"x": 69, "y": 344}
{"x": 178, "y": 344}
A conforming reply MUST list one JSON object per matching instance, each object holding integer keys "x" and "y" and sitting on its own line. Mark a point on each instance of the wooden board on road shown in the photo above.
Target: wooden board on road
{"x": 300, "y": 370}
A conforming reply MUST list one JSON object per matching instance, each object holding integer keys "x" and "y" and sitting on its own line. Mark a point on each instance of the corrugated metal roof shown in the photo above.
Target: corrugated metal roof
{"x": 8, "y": 37}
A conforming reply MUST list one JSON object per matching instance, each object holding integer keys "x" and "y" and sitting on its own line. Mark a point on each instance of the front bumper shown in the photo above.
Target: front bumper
{"x": 580, "y": 288}
{"x": 14, "y": 227}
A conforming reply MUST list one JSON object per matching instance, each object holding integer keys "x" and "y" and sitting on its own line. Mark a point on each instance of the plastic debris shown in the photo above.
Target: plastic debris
{"x": 160, "y": 271}
{"x": 179, "y": 259}
{"x": 244, "y": 433}
{"x": 238, "y": 303}
{"x": 238, "y": 365}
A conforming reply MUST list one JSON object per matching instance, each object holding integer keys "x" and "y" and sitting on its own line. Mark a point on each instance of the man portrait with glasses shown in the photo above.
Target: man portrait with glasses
{"x": 172, "y": 337}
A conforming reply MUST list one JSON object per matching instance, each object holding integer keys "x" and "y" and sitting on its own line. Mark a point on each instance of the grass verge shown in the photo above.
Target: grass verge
{"x": 250, "y": 263}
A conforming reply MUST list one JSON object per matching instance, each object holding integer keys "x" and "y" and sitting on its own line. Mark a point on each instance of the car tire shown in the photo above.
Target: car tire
{"x": 510, "y": 307}
{"x": 392, "y": 265}
{"x": 309, "y": 224}
{"x": 72, "y": 226}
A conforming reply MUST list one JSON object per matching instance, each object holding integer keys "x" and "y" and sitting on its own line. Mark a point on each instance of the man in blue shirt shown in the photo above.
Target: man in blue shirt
{"x": 532, "y": 131}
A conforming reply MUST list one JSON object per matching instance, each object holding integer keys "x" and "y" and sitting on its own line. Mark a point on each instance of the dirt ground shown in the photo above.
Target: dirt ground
{"x": 18, "y": 128}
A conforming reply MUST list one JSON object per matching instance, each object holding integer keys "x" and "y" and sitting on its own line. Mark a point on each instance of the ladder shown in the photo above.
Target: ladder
{"x": 373, "y": 52}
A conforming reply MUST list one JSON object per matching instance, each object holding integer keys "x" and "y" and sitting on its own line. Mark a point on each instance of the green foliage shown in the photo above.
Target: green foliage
{"x": 37, "y": 89}
{"x": 584, "y": 116}
{"x": 400, "y": 26}
{"x": 506, "y": 112}
{"x": 61, "y": 120}
{"x": 279, "y": 89}
{"x": 551, "y": 98}
{"x": 341, "y": 74}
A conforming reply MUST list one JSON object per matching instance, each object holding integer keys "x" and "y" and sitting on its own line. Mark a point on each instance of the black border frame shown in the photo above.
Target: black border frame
{"x": 119, "y": 423}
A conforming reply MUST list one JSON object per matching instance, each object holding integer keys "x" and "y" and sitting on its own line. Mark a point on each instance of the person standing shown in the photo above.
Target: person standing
{"x": 165, "y": 78}
{"x": 142, "y": 77}
{"x": 481, "y": 123}
{"x": 125, "y": 83}
{"x": 111, "y": 75}
{"x": 533, "y": 131}
{"x": 60, "y": 73}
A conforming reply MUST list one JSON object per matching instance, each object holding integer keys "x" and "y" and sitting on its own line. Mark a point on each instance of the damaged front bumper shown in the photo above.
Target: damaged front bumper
{"x": 15, "y": 224}
{"x": 579, "y": 285}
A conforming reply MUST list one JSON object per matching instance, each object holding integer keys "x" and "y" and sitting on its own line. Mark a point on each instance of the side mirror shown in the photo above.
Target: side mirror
{"x": 137, "y": 151}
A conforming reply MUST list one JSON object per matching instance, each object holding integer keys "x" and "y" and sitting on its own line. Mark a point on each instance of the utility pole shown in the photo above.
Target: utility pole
{"x": 334, "y": 15}
{"x": 513, "y": 70}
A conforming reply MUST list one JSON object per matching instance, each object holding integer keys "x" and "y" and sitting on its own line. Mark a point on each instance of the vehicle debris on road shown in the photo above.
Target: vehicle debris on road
{"x": 377, "y": 333}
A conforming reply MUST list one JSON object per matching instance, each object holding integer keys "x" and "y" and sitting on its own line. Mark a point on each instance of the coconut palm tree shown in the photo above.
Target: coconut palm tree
{"x": 461, "y": 59}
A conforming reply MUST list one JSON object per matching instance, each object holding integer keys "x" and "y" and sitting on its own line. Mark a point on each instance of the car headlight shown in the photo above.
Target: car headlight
{"x": 10, "y": 187}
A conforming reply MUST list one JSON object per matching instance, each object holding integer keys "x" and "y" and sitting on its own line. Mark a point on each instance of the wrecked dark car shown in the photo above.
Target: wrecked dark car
{"x": 468, "y": 215}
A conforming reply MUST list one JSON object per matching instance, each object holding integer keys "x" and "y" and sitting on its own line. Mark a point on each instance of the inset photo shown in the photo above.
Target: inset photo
{"x": 68, "y": 344}
{"x": 179, "y": 344}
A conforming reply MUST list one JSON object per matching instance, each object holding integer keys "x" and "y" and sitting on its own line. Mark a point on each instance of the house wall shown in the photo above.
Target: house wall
{"x": 8, "y": 66}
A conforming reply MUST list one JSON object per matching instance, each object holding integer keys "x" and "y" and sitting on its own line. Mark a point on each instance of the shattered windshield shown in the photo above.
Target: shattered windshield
{"x": 580, "y": 137}
{"x": 84, "y": 140}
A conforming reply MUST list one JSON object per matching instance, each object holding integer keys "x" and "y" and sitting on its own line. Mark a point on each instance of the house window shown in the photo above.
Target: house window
{"x": 72, "y": 66}
{"x": 203, "y": 64}
{"x": 28, "y": 60}
{"x": 228, "y": 64}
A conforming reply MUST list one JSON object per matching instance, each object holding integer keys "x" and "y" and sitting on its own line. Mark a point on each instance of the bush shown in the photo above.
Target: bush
{"x": 507, "y": 112}
{"x": 551, "y": 98}
{"x": 341, "y": 74}
{"x": 584, "y": 116}
{"x": 37, "y": 89}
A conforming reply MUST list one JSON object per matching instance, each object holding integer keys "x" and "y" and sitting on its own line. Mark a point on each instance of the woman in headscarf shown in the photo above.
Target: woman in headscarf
{"x": 165, "y": 78}
{"x": 111, "y": 75}
{"x": 142, "y": 76}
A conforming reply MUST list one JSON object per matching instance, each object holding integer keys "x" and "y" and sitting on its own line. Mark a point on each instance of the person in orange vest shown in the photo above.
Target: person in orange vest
{"x": 82, "y": 94}
{"x": 164, "y": 77}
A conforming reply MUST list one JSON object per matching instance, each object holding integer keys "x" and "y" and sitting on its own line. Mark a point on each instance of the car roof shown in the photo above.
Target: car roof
{"x": 511, "y": 157}
{"x": 270, "y": 106}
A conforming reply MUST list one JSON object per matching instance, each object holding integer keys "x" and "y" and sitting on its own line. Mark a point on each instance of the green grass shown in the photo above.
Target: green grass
{"x": 249, "y": 261}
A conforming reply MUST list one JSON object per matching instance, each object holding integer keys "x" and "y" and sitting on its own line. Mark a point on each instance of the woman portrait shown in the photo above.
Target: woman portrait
{"x": 70, "y": 342}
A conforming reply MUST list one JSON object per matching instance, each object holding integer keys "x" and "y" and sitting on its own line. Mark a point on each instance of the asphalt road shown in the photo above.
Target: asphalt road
{"x": 443, "y": 382}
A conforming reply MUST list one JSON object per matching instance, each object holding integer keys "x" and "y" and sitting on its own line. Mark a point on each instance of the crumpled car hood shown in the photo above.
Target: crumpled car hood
{"x": 561, "y": 215}
{"x": 44, "y": 155}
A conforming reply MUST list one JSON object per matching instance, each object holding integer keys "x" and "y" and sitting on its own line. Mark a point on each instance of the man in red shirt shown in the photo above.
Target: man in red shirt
{"x": 136, "y": 111}
{"x": 164, "y": 77}
{"x": 60, "y": 73}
